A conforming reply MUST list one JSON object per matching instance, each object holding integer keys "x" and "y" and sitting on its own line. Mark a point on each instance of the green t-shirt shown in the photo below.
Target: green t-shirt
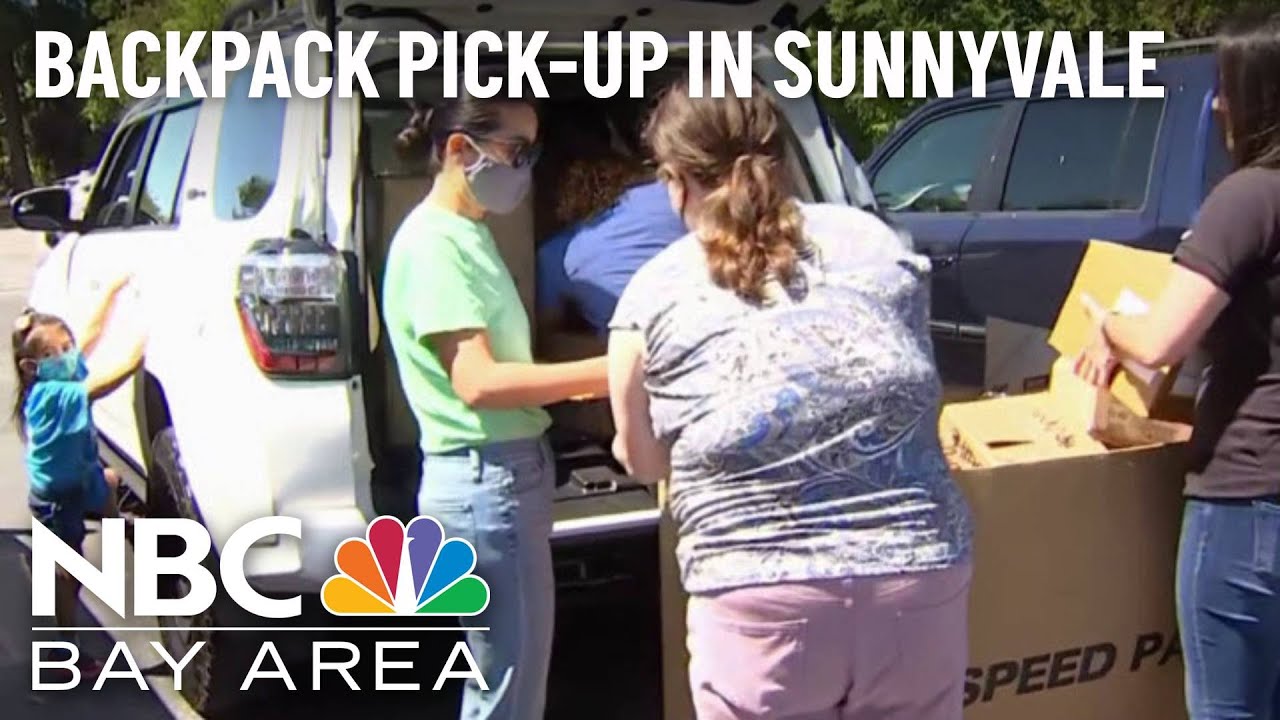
{"x": 444, "y": 274}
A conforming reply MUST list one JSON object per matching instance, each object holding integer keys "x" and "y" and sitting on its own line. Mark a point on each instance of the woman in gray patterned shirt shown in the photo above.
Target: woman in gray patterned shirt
{"x": 775, "y": 365}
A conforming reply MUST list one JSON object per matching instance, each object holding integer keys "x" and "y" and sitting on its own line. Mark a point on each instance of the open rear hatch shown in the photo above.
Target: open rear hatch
{"x": 593, "y": 496}
{"x": 567, "y": 19}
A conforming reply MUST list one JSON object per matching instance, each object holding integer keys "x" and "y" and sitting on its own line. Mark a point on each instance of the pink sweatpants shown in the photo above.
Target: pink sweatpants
{"x": 877, "y": 648}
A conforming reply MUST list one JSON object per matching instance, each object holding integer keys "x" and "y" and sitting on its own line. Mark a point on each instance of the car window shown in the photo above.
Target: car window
{"x": 934, "y": 170}
{"x": 162, "y": 181}
{"x": 1074, "y": 154}
{"x": 248, "y": 150}
{"x": 110, "y": 205}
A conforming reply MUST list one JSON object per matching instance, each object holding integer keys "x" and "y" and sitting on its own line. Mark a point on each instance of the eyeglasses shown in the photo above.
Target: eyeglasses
{"x": 518, "y": 152}
{"x": 524, "y": 153}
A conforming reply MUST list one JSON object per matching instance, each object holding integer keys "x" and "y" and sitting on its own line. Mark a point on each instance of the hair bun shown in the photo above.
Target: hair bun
{"x": 414, "y": 139}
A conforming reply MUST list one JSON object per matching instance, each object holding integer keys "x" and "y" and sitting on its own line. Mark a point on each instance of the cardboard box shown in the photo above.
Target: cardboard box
{"x": 1127, "y": 280}
{"x": 1076, "y": 495}
{"x": 1072, "y": 603}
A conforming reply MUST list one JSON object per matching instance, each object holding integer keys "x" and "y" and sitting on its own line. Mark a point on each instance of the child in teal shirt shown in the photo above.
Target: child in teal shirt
{"x": 54, "y": 416}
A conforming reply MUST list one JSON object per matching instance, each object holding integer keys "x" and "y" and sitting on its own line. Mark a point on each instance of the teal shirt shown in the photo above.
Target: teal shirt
{"x": 444, "y": 274}
{"x": 61, "y": 452}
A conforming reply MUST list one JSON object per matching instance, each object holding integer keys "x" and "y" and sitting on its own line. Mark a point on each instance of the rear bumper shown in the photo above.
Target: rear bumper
{"x": 292, "y": 566}
{"x": 302, "y": 567}
{"x": 593, "y": 527}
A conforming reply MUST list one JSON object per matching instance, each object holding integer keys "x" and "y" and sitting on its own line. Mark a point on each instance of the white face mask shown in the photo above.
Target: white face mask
{"x": 495, "y": 185}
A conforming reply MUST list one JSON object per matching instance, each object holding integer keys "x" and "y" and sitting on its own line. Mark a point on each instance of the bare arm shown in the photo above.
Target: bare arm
{"x": 484, "y": 383}
{"x": 1180, "y": 318}
{"x": 1165, "y": 335}
{"x": 640, "y": 451}
{"x": 91, "y": 334}
{"x": 103, "y": 383}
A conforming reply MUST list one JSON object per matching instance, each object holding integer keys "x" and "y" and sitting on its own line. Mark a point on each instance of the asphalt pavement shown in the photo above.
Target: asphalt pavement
{"x": 605, "y": 663}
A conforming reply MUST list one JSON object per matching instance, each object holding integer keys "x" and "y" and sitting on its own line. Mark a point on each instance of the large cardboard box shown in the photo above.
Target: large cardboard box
{"x": 1072, "y": 603}
{"x": 1072, "y": 613}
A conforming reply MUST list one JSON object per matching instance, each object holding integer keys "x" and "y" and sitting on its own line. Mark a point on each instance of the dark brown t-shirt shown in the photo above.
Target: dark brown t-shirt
{"x": 1236, "y": 244}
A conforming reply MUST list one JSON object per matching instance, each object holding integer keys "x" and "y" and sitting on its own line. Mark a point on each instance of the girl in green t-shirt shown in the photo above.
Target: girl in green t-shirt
{"x": 462, "y": 343}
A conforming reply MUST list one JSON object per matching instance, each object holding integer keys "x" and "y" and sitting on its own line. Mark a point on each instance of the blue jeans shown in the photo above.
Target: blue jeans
{"x": 1229, "y": 609}
{"x": 499, "y": 497}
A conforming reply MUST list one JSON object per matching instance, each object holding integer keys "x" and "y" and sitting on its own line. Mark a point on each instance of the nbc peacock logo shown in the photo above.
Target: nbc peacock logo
{"x": 405, "y": 570}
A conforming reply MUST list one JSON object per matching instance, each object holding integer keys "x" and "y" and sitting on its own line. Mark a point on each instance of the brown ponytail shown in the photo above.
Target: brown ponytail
{"x": 750, "y": 225}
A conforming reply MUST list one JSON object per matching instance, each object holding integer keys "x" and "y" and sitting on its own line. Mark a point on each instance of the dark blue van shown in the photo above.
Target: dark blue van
{"x": 1002, "y": 193}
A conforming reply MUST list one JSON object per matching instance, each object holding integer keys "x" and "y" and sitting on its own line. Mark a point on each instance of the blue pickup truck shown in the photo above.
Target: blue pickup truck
{"x": 1003, "y": 193}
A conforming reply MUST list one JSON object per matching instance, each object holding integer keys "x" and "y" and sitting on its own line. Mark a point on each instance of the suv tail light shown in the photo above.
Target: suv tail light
{"x": 293, "y": 302}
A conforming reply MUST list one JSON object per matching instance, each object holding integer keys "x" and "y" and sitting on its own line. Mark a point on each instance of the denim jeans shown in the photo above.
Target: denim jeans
{"x": 499, "y": 497}
{"x": 1229, "y": 609}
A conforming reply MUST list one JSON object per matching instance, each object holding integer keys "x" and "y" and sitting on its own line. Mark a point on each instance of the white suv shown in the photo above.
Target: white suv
{"x": 257, "y": 228}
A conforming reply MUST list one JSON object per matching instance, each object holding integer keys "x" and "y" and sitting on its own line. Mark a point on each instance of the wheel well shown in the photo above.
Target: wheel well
{"x": 152, "y": 410}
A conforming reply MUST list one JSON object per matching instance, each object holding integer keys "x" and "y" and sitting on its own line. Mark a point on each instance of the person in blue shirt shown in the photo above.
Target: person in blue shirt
{"x": 53, "y": 415}
{"x": 602, "y": 212}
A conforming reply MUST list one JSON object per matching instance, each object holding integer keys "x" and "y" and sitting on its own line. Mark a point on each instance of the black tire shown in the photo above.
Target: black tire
{"x": 210, "y": 681}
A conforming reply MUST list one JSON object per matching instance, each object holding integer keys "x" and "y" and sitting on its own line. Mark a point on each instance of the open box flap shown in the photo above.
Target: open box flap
{"x": 1070, "y": 419}
{"x": 1124, "y": 279}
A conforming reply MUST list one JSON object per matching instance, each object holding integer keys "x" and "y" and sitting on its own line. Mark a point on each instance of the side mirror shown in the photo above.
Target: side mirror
{"x": 44, "y": 210}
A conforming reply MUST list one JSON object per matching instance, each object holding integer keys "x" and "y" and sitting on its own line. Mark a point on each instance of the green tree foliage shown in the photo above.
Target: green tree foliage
{"x": 44, "y": 138}
{"x": 865, "y": 121}
{"x": 61, "y": 135}
{"x": 122, "y": 17}
{"x": 15, "y": 25}
{"x": 252, "y": 194}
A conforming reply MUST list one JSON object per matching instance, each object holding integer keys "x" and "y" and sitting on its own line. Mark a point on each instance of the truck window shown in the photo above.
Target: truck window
{"x": 935, "y": 168}
{"x": 1074, "y": 154}
{"x": 158, "y": 203}
{"x": 248, "y": 150}
{"x": 110, "y": 205}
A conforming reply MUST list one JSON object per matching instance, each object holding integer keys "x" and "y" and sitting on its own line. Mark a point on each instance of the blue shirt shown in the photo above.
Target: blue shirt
{"x": 591, "y": 263}
{"x": 62, "y": 453}
{"x": 804, "y": 430}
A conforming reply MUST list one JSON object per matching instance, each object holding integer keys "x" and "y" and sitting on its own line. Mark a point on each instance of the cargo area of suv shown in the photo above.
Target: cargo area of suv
{"x": 594, "y": 494}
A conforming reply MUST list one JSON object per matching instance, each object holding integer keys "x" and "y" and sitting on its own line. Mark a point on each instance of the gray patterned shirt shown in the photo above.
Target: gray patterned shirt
{"x": 803, "y": 431}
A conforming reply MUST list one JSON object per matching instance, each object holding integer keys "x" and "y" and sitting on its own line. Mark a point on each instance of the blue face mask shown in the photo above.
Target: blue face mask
{"x": 59, "y": 367}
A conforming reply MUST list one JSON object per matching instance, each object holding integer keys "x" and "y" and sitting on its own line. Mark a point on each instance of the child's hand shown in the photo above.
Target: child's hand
{"x": 120, "y": 283}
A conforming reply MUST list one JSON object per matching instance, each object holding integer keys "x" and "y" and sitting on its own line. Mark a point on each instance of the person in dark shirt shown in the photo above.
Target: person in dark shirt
{"x": 1225, "y": 291}
{"x": 602, "y": 214}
